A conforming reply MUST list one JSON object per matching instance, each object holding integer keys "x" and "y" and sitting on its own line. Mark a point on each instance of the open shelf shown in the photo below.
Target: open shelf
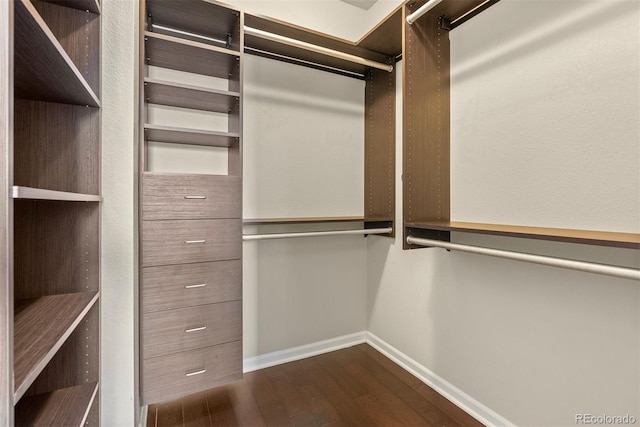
{"x": 43, "y": 70}
{"x": 92, "y": 6}
{"x": 41, "y": 326}
{"x": 311, "y": 220}
{"x": 197, "y": 17}
{"x": 65, "y": 407}
{"x": 19, "y": 192}
{"x": 188, "y": 96}
{"x": 587, "y": 237}
{"x": 190, "y": 56}
{"x": 178, "y": 135}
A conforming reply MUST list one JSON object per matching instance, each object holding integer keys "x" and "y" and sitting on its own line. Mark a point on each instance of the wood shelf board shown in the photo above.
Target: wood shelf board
{"x": 41, "y": 326}
{"x": 19, "y": 192}
{"x": 190, "y": 136}
{"x": 43, "y": 70}
{"x": 190, "y": 56}
{"x": 195, "y": 16}
{"x": 91, "y": 6}
{"x": 65, "y": 407}
{"x": 590, "y": 237}
{"x": 451, "y": 9}
{"x": 189, "y": 96}
{"x": 302, "y": 220}
{"x": 386, "y": 36}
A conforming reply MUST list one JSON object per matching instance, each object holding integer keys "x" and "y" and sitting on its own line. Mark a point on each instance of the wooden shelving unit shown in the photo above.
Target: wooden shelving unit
{"x": 178, "y": 135}
{"x": 189, "y": 96}
{"x": 51, "y": 125}
{"x": 312, "y": 220}
{"x": 45, "y": 409}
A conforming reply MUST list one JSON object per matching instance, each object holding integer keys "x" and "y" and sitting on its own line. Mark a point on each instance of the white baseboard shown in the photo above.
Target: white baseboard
{"x": 303, "y": 351}
{"x": 458, "y": 397}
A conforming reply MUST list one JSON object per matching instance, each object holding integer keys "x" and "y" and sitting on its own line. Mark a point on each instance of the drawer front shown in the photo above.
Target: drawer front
{"x": 185, "y": 285}
{"x": 173, "y": 331}
{"x": 176, "y": 375}
{"x": 189, "y": 241}
{"x": 166, "y": 196}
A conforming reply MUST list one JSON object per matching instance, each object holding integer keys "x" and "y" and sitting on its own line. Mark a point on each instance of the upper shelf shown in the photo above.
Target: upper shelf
{"x": 600, "y": 238}
{"x": 188, "y": 96}
{"x": 19, "y": 192}
{"x": 43, "y": 70}
{"x": 92, "y": 6}
{"x": 386, "y": 37}
{"x": 202, "y": 18}
{"x": 41, "y": 326}
{"x": 311, "y": 220}
{"x": 190, "y": 56}
{"x": 190, "y": 136}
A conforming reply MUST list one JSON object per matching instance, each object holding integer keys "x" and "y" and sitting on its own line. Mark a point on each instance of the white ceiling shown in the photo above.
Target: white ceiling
{"x": 362, "y": 4}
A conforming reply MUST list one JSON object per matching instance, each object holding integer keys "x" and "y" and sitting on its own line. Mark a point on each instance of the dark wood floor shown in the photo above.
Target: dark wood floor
{"x": 357, "y": 386}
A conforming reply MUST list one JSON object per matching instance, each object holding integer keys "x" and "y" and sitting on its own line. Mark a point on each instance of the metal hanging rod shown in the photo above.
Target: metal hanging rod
{"x": 188, "y": 34}
{"x": 609, "y": 270}
{"x": 422, "y": 10}
{"x": 317, "y": 49}
{"x": 247, "y": 237}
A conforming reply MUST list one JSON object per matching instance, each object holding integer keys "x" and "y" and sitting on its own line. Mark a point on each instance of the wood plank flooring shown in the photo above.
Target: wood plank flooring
{"x": 356, "y": 386}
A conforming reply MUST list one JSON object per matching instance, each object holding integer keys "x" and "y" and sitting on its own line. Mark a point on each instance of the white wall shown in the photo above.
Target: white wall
{"x": 535, "y": 344}
{"x": 118, "y": 296}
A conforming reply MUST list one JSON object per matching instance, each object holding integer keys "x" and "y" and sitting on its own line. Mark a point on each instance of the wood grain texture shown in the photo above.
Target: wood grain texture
{"x": 195, "y": 16}
{"x": 166, "y": 332}
{"x": 235, "y": 117}
{"x": 305, "y": 220}
{"x": 587, "y": 237}
{"x": 189, "y": 96}
{"x": 379, "y": 145}
{"x": 43, "y": 70}
{"x": 186, "y": 55}
{"x": 164, "y": 196}
{"x": 56, "y": 147}
{"x": 42, "y": 325}
{"x": 67, "y": 407}
{"x": 40, "y": 194}
{"x": 164, "y": 242}
{"x": 165, "y": 288}
{"x": 165, "y": 378}
{"x": 91, "y": 6}
{"x": 78, "y": 32}
{"x": 426, "y": 135}
{"x": 178, "y": 135}
{"x": 6, "y": 214}
{"x": 57, "y": 247}
{"x": 386, "y": 36}
{"x": 356, "y": 386}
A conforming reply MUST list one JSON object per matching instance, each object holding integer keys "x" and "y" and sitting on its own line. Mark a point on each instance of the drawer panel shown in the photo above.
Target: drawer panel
{"x": 176, "y": 375}
{"x": 185, "y": 285}
{"x": 166, "y": 332}
{"x": 188, "y": 241}
{"x": 177, "y": 196}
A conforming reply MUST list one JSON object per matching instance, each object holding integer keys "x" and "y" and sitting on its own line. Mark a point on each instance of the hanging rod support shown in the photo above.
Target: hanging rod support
{"x": 363, "y": 231}
{"x": 317, "y": 49}
{"x": 422, "y": 10}
{"x": 609, "y": 270}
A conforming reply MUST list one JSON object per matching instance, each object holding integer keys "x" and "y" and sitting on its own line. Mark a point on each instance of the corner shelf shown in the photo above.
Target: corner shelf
{"x": 178, "y": 135}
{"x": 587, "y": 237}
{"x": 19, "y": 192}
{"x": 190, "y": 56}
{"x": 189, "y": 96}
{"x": 91, "y": 6}
{"x": 41, "y": 326}
{"x": 65, "y": 407}
{"x": 43, "y": 70}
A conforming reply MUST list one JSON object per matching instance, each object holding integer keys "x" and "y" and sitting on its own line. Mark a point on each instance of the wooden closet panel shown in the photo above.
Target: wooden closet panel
{"x": 55, "y": 147}
{"x": 77, "y": 361}
{"x": 79, "y": 35}
{"x": 173, "y": 331}
{"x": 186, "y": 285}
{"x": 179, "y": 196}
{"x": 56, "y": 247}
{"x": 380, "y": 137}
{"x": 426, "y": 120}
{"x": 190, "y": 241}
{"x": 166, "y": 378}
